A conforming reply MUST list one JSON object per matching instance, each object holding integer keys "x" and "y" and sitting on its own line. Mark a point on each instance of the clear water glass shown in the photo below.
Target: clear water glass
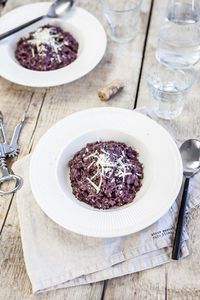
{"x": 169, "y": 89}
{"x": 121, "y": 18}
{"x": 179, "y": 37}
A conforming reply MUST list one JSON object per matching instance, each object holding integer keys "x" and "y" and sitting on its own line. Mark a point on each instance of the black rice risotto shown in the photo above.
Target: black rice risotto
{"x": 47, "y": 48}
{"x": 106, "y": 174}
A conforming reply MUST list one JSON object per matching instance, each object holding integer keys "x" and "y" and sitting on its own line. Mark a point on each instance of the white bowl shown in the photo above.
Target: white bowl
{"x": 49, "y": 172}
{"x": 81, "y": 24}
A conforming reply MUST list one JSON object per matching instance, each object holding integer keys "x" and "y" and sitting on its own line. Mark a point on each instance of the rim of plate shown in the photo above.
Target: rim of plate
{"x": 153, "y": 203}
{"x": 84, "y": 27}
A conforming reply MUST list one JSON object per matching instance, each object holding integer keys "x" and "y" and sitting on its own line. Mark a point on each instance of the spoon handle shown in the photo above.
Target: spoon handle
{"x": 181, "y": 219}
{"x": 16, "y": 29}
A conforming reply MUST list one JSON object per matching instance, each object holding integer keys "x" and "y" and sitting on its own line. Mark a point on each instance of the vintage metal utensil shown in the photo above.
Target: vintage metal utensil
{"x": 9, "y": 150}
{"x": 190, "y": 153}
{"x": 56, "y": 10}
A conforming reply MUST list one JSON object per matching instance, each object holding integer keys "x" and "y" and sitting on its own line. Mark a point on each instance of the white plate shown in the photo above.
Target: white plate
{"x": 84, "y": 27}
{"x": 49, "y": 173}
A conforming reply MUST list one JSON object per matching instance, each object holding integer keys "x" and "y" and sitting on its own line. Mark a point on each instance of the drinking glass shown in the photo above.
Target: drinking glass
{"x": 121, "y": 18}
{"x": 169, "y": 88}
{"x": 179, "y": 37}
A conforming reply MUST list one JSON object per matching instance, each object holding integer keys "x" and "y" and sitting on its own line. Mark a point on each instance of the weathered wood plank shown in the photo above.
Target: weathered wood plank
{"x": 183, "y": 277}
{"x": 1, "y": 9}
{"x": 14, "y": 4}
{"x": 138, "y": 286}
{"x": 13, "y": 103}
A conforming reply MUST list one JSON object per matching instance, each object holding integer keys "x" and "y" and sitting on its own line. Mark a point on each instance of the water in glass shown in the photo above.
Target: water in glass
{"x": 179, "y": 38}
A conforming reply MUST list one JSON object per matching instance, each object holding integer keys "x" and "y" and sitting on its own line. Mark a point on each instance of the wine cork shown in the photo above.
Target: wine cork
{"x": 110, "y": 90}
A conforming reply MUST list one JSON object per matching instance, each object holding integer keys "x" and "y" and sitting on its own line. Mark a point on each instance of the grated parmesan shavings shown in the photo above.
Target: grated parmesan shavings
{"x": 105, "y": 166}
{"x": 44, "y": 37}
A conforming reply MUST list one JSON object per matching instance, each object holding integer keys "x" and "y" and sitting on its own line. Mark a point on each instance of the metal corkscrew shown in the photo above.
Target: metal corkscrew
{"x": 9, "y": 150}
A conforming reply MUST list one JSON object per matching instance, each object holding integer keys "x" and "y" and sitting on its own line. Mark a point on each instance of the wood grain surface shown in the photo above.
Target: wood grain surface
{"x": 128, "y": 62}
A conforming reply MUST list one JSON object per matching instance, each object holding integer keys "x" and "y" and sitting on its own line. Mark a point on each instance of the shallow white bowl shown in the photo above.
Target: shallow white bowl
{"x": 49, "y": 172}
{"x": 81, "y": 24}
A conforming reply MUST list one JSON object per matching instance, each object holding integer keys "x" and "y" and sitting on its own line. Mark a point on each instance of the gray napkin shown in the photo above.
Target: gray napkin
{"x": 57, "y": 258}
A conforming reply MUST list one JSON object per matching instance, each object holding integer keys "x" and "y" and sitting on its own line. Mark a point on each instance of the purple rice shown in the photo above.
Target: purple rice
{"x": 115, "y": 185}
{"x": 57, "y": 52}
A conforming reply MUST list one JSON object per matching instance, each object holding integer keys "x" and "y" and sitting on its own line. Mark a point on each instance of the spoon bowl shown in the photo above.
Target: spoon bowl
{"x": 190, "y": 153}
{"x": 59, "y": 8}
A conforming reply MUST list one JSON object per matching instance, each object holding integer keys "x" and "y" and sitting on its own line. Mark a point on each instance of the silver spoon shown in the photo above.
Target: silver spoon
{"x": 190, "y": 153}
{"x": 56, "y": 10}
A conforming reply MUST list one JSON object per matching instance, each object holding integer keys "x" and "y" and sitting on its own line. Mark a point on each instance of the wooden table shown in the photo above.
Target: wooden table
{"x": 177, "y": 280}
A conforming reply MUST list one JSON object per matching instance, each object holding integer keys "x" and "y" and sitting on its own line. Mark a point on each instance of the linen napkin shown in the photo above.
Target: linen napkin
{"x": 57, "y": 258}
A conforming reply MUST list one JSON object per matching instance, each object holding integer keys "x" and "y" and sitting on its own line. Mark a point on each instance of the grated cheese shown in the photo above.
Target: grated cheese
{"x": 44, "y": 37}
{"x": 105, "y": 166}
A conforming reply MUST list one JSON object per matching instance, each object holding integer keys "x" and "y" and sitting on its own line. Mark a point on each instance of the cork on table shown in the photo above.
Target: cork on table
{"x": 177, "y": 280}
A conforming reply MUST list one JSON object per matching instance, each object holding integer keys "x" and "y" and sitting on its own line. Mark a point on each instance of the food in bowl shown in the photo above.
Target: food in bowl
{"x": 106, "y": 174}
{"x": 47, "y": 48}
